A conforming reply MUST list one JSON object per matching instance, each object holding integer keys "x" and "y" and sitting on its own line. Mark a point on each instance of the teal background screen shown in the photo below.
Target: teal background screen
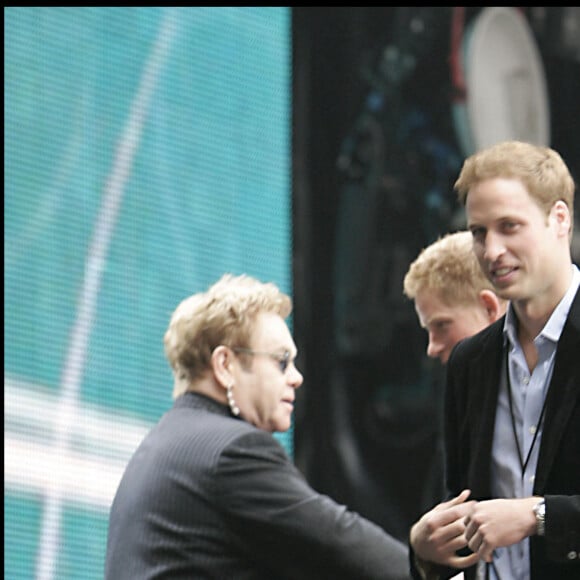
{"x": 147, "y": 152}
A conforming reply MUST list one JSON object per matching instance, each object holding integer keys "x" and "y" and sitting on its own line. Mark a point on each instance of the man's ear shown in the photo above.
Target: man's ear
{"x": 561, "y": 212}
{"x": 221, "y": 364}
{"x": 494, "y": 306}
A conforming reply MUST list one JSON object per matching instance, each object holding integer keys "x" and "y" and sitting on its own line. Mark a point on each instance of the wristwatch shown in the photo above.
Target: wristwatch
{"x": 540, "y": 512}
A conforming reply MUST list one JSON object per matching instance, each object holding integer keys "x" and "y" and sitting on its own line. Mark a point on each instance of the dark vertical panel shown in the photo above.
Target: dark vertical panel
{"x": 367, "y": 420}
{"x": 375, "y": 158}
{"x": 328, "y": 45}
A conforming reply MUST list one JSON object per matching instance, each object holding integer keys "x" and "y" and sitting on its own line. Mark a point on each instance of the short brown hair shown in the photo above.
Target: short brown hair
{"x": 541, "y": 170}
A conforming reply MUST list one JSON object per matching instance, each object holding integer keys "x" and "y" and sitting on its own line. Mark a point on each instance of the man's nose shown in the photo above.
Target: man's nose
{"x": 493, "y": 247}
{"x": 434, "y": 348}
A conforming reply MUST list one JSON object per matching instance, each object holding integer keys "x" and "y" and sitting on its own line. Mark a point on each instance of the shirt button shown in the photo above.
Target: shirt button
{"x": 532, "y": 478}
{"x": 532, "y": 429}
{"x": 526, "y": 380}
{"x": 572, "y": 555}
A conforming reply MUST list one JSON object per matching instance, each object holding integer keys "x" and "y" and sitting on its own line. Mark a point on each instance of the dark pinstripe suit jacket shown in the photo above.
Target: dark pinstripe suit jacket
{"x": 207, "y": 495}
{"x": 473, "y": 372}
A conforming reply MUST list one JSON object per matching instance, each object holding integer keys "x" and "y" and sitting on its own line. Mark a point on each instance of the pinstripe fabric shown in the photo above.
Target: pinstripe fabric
{"x": 207, "y": 496}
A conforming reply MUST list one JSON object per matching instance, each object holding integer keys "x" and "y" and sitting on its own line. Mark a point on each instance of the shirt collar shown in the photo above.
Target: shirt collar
{"x": 553, "y": 328}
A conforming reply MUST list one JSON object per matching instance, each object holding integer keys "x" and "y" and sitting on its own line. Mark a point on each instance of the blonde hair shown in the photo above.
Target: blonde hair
{"x": 222, "y": 315}
{"x": 449, "y": 268}
{"x": 540, "y": 169}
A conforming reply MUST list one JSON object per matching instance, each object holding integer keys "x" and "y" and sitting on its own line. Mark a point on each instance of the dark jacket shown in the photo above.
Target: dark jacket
{"x": 473, "y": 378}
{"x": 207, "y": 495}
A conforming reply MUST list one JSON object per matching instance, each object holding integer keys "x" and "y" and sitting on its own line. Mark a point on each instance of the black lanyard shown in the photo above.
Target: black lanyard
{"x": 523, "y": 464}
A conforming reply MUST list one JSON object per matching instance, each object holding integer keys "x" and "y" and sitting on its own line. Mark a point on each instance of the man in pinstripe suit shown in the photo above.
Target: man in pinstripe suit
{"x": 210, "y": 493}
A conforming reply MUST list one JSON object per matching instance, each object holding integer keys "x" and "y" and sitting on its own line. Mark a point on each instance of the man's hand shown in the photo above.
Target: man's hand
{"x": 499, "y": 522}
{"x": 440, "y": 533}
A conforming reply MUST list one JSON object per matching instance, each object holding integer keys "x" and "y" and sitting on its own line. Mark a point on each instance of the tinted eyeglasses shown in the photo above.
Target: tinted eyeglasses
{"x": 283, "y": 359}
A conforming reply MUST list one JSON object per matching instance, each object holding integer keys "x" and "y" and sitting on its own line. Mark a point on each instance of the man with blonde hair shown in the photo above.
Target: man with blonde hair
{"x": 453, "y": 298}
{"x": 210, "y": 492}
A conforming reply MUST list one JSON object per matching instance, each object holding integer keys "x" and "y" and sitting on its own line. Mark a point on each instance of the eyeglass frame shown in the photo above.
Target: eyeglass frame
{"x": 283, "y": 360}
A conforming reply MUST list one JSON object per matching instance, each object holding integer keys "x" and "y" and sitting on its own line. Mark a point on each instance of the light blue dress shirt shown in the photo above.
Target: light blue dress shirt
{"x": 528, "y": 392}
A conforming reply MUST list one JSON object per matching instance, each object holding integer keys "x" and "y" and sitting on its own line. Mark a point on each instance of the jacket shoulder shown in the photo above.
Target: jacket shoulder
{"x": 480, "y": 342}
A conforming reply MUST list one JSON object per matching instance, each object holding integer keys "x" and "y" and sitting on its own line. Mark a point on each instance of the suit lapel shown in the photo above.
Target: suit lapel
{"x": 562, "y": 394}
{"x": 485, "y": 373}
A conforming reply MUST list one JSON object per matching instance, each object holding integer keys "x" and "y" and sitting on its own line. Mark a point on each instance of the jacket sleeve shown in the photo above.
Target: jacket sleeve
{"x": 562, "y": 528}
{"x": 274, "y": 515}
{"x": 429, "y": 570}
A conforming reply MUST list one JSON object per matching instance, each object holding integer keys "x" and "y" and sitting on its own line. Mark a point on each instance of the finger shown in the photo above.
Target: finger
{"x": 455, "y": 544}
{"x": 453, "y": 518}
{"x": 483, "y": 549}
{"x": 474, "y": 544}
{"x": 485, "y": 552}
{"x": 470, "y": 529}
{"x": 459, "y": 498}
{"x": 463, "y": 561}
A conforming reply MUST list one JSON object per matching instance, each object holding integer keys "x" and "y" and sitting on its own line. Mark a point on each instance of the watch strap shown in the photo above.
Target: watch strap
{"x": 540, "y": 513}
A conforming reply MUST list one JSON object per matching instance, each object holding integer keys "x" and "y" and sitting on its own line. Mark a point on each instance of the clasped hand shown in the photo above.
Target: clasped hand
{"x": 482, "y": 526}
{"x": 440, "y": 533}
{"x": 496, "y": 523}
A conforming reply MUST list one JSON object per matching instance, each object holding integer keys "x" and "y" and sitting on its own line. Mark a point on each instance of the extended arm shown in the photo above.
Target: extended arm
{"x": 279, "y": 519}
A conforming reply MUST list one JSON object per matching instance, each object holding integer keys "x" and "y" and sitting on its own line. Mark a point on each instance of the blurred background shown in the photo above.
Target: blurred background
{"x": 149, "y": 150}
{"x": 387, "y": 104}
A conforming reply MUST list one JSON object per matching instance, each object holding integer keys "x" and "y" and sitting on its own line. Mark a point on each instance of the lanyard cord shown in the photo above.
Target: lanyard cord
{"x": 523, "y": 464}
